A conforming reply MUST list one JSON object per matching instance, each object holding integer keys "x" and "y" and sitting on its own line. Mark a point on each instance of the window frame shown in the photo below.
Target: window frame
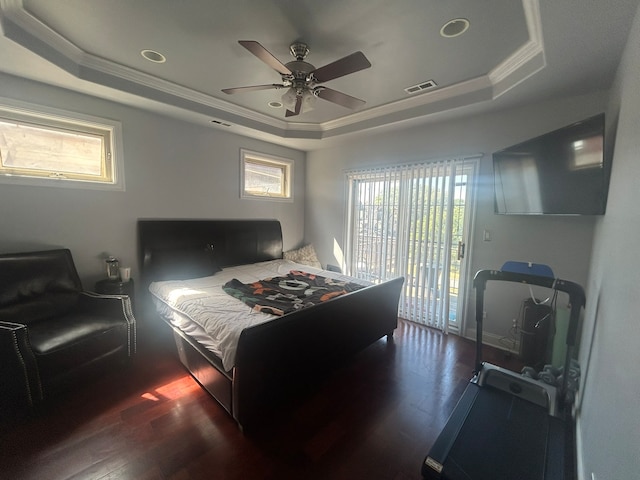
{"x": 257, "y": 158}
{"x": 56, "y": 119}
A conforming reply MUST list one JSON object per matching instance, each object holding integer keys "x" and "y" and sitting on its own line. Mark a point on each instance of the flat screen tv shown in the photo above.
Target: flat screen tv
{"x": 559, "y": 173}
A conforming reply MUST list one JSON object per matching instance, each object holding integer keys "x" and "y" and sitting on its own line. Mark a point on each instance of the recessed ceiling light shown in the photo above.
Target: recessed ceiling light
{"x": 454, "y": 27}
{"x": 153, "y": 56}
{"x": 275, "y": 104}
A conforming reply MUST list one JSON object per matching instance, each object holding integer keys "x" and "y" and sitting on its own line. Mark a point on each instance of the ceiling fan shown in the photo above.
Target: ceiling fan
{"x": 301, "y": 78}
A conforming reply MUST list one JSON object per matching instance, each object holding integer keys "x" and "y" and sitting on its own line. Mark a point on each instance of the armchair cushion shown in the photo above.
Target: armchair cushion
{"x": 42, "y": 283}
{"x": 28, "y": 309}
{"x": 69, "y": 330}
{"x": 74, "y": 343}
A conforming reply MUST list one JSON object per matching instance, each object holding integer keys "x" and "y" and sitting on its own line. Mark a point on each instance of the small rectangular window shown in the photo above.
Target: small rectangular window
{"x": 43, "y": 146}
{"x": 265, "y": 176}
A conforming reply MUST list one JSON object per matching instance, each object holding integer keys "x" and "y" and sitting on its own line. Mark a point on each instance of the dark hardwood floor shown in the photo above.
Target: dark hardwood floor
{"x": 375, "y": 417}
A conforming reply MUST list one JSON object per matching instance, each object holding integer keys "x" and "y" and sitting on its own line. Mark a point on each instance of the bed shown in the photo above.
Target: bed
{"x": 273, "y": 358}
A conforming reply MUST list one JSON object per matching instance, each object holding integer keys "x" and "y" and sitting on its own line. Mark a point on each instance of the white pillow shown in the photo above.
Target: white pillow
{"x": 305, "y": 255}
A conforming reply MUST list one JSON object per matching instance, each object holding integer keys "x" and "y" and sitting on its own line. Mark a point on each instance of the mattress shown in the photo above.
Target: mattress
{"x": 201, "y": 309}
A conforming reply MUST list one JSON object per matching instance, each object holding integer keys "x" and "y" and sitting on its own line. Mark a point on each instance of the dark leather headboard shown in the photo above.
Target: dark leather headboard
{"x": 232, "y": 242}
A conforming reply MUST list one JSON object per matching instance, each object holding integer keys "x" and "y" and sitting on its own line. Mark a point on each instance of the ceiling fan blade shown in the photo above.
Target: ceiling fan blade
{"x": 252, "y": 88}
{"x": 339, "y": 98}
{"x": 349, "y": 64}
{"x": 264, "y": 55}
{"x": 298, "y": 107}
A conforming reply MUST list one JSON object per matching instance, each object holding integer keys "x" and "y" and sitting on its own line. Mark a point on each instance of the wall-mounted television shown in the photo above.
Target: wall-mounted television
{"x": 563, "y": 172}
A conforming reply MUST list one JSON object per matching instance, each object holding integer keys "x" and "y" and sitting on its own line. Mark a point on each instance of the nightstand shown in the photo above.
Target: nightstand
{"x": 116, "y": 287}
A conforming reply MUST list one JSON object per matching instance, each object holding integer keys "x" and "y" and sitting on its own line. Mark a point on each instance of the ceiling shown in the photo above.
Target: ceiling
{"x": 514, "y": 52}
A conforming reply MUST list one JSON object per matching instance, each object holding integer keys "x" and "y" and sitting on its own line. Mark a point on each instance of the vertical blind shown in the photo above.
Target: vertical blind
{"x": 407, "y": 220}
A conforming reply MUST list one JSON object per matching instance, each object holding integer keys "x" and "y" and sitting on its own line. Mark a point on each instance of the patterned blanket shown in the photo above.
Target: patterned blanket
{"x": 285, "y": 294}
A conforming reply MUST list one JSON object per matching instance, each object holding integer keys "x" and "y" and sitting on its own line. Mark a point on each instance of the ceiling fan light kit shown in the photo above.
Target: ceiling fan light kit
{"x": 301, "y": 79}
{"x": 290, "y": 98}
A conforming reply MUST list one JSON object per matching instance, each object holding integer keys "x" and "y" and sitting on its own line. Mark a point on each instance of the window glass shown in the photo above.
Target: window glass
{"x": 45, "y": 148}
{"x": 265, "y": 176}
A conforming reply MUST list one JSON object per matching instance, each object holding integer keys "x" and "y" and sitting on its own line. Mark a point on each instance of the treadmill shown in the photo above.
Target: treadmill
{"x": 507, "y": 426}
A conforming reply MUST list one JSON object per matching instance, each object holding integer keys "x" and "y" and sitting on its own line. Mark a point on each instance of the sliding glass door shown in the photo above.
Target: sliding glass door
{"x": 412, "y": 220}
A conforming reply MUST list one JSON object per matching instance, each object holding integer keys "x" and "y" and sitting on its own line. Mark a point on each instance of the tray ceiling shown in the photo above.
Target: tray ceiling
{"x": 518, "y": 50}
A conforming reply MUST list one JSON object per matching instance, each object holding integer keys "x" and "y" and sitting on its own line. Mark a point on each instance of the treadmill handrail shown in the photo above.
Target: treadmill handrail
{"x": 577, "y": 300}
{"x": 575, "y": 291}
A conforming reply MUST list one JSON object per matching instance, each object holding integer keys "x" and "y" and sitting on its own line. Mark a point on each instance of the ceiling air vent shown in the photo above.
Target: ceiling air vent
{"x": 218, "y": 122}
{"x": 429, "y": 84}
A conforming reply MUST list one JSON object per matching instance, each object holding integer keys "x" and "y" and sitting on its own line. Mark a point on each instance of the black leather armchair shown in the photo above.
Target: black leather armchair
{"x": 52, "y": 333}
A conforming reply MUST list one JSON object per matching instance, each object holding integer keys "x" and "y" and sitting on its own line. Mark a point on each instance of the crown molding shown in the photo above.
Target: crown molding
{"x": 106, "y": 67}
{"x": 16, "y": 20}
{"x": 507, "y": 75}
{"x": 22, "y": 27}
{"x": 531, "y": 52}
{"x": 21, "y": 22}
{"x": 442, "y": 94}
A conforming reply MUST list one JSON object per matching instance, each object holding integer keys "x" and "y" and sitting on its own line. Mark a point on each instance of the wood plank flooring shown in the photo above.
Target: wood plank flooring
{"x": 375, "y": 417}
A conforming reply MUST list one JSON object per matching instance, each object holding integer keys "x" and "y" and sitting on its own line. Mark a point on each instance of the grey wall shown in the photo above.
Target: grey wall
{"x": 562, "y": 242}
{"x": 173, "y": 169}
{"x": 608, "y": 426}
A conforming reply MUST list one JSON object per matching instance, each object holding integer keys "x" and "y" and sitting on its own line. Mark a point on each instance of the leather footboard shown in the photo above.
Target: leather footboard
{"x": 276, "y": 358}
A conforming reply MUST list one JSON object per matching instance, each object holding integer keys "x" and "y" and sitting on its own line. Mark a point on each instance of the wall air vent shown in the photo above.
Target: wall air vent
{"x": 421, "y": 87}
{"x": 218, "y": 122}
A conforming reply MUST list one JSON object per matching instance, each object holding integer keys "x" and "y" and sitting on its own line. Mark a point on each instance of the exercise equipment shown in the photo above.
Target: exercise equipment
{"x": 510, "y": 425}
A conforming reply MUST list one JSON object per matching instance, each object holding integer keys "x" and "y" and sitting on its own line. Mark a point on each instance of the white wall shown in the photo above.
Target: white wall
{"x": 562, "y": 242}
{"x": 608, "y": 422}
{"x": 173, "y": 169}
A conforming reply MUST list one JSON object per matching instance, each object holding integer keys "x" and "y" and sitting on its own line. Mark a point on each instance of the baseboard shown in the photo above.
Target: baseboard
{"x": 580, "y": 475}
{"x": 493, "y": 340}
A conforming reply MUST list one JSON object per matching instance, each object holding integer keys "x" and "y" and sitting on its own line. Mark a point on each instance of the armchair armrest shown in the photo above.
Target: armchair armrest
{"x": 112, "y": 305}
{"x": 19, "y": 378}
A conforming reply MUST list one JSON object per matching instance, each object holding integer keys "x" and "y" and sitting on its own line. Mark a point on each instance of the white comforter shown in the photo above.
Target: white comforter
{"x": 200, "y": 308}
